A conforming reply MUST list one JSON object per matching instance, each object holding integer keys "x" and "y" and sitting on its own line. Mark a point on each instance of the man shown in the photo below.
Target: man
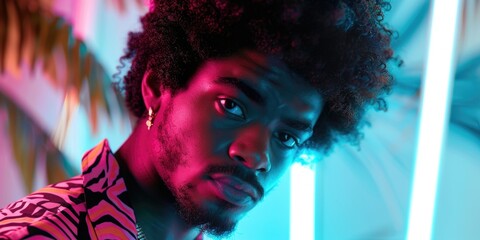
{"x": 226, "y": 94}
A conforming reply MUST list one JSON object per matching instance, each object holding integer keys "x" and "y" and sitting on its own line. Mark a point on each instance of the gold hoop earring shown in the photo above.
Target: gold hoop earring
{"x": 151, "y": 116}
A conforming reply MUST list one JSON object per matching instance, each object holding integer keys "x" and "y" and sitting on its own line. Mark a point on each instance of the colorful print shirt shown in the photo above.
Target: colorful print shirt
{"x": 94, "y": 205}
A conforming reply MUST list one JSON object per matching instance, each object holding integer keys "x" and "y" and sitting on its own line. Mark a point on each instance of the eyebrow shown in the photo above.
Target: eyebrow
{"x": 298, "y": 125}
{"x": 249, "y": 91}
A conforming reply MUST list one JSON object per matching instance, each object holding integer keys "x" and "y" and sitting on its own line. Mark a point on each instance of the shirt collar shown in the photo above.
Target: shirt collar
{"x": 109, "y": 209}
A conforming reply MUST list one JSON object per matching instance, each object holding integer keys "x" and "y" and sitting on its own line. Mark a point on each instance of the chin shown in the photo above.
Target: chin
{"x": 218, "y": 218}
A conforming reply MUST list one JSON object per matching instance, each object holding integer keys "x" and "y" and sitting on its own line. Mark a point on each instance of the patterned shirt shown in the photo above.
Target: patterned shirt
{"x": 94, "y": 205}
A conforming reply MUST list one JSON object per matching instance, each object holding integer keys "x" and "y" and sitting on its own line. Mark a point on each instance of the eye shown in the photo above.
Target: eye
{"x": 231, "y": 107}
{"x": 287, "y": 140}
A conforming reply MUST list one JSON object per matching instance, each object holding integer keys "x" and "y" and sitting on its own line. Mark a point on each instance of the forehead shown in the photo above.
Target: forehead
{"x": 267, "y": 75}
{"x": 264, "y": 80}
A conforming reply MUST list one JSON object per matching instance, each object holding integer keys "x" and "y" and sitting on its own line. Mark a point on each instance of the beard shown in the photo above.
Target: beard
{"x": 173, "y": 155}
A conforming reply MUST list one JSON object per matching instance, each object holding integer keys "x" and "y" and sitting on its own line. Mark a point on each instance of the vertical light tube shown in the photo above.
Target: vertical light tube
{"x": 434, "y": 115}
{"x": 302, "y": 202}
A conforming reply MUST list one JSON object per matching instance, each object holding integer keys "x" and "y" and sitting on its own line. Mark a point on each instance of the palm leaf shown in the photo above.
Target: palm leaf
{"x": 31, "y": 35}
{"x": 31, "y": 144}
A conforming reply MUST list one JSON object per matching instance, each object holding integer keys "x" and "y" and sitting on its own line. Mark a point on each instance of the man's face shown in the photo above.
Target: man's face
{"x": 226, "y": 139}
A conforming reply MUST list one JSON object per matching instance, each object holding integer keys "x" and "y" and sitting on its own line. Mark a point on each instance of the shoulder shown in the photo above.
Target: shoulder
{"x": 53, "y": 212}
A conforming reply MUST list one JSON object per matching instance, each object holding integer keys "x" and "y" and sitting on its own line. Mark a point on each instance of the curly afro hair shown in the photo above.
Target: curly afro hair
{"x": 340, "y": 46}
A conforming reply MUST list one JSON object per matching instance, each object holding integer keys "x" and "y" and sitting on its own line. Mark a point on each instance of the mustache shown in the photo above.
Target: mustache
{"x": 241, "y": 173}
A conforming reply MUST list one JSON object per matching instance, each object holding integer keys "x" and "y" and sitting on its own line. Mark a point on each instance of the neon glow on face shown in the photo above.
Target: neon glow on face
{"x": 228, "y": 137}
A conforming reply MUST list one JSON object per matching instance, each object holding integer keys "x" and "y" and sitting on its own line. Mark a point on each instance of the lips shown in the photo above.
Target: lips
{"x": 234, "y": 190}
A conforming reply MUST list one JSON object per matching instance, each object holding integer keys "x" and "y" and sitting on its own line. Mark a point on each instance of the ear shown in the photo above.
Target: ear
{"x": 150, "y": 91}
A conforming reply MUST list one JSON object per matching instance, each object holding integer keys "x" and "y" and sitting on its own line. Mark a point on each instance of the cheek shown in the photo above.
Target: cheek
{"x": 192, "y": 117}
{"x": 206, "y": 133}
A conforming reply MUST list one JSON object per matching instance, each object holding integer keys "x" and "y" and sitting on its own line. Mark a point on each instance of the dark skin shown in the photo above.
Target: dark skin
{"x": 217, "y": 146}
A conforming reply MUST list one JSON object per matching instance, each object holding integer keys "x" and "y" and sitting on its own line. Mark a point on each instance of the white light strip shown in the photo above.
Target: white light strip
{"x": 434, "y": 115}
{"x": 302, "y": 202}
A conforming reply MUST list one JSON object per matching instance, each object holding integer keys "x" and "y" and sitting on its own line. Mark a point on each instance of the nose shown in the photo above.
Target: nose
{"x": 251, "y": 148}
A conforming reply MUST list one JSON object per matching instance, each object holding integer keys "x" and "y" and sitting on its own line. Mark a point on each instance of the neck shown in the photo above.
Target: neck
{"x": 153, "y": 203}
